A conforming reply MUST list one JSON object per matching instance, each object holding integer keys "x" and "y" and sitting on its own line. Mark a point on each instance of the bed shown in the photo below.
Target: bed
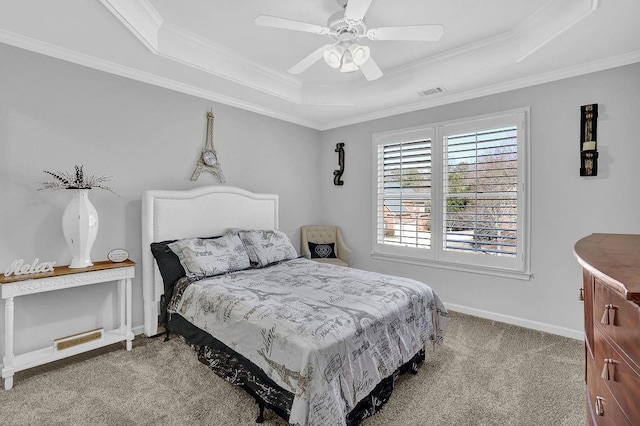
{"x": 318, "y": 344}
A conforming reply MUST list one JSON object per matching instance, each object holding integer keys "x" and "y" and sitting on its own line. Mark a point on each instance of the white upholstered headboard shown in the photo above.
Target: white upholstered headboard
{"x": 205, "y": 211}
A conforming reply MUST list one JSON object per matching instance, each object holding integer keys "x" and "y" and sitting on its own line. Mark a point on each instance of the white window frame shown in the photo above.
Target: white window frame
{"x": 409, "y": 135}
{"x": 511, "y": 267}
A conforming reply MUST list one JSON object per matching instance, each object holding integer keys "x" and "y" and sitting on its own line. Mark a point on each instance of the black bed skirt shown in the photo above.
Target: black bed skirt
{"x": 238, "y": 370}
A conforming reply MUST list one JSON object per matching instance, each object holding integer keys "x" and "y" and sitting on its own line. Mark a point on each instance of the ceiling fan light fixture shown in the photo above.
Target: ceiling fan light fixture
{"x": 333, "y": 56}
{"x": 345, "y": 27}
{"x": 348, "y": 65}
{"x": 359, "y": 54}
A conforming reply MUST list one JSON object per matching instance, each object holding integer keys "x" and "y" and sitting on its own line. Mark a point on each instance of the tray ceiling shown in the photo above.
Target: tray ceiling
{"x": 213, "y": 49}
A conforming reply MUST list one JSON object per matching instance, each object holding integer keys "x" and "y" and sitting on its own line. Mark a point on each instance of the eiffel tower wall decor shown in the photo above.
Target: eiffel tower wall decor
{"x": 208, "y": 159}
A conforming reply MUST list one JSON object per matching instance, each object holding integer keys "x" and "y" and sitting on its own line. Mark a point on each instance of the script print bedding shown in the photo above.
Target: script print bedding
{"x": 328, "y": 334}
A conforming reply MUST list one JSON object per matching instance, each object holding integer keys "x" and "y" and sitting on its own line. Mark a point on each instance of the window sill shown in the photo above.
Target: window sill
{"x": 504, "y": 273}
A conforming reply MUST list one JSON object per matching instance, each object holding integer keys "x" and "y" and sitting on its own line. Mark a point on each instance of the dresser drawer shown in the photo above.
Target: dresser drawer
{"x": 611, "y": 288}
{"x": 603, "y": 408}
{"x": 623, "y": 381}
{"x": 618, "y": 318}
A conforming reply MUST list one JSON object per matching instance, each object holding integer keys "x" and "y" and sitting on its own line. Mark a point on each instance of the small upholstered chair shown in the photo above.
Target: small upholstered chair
{"x": 320, "y": 236}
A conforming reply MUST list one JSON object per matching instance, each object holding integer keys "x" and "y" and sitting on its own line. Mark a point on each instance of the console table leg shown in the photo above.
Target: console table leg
{"x": 128, "y": 315}
{"x": 122, "y": 305}
{"x": 7, "y": 370}
{"x": 8, "y": 383}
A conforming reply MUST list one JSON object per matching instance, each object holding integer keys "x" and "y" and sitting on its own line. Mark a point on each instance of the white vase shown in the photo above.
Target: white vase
{"x": 80, "y": 227}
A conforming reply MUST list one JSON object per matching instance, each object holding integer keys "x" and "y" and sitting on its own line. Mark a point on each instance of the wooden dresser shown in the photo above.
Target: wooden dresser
{"x": 611, "y": 292}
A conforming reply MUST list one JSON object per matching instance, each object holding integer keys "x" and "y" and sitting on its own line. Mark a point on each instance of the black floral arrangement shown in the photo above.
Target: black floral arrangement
{"x": 77, "y": 180}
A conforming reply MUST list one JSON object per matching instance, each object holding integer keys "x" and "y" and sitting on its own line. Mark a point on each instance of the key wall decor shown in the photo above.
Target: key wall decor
{"x": 337, "y": 174}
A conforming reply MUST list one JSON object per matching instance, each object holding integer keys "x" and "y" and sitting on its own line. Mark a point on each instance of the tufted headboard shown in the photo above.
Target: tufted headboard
{"x": 209, "y": 210}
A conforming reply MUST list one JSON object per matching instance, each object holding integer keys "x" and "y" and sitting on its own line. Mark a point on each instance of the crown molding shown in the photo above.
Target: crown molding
{"x": 205, "y": 43}
{"x": 192, "y": 50}
{"x": 549, "y": 13}
{"x": 47, "y": 49}
{"x": 574, "y": 71}
{"x": 403, "y": 70}
{"x": 550, "y": 22}
{"x": 187, "y": 48}
{"x": 552, "y": 14}
{"x": 89, "y": 61}
{"x": 140, "y": 17}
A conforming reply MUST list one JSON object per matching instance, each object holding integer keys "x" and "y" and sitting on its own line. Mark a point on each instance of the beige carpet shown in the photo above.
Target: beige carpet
{"x": 487, "y": 373}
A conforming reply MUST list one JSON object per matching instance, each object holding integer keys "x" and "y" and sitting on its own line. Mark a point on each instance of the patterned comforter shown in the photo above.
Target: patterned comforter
{"x": 326, "y": 333}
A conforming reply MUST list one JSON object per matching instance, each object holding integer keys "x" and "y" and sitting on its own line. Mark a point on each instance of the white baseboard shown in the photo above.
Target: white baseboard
{"x": 534, "y": 325}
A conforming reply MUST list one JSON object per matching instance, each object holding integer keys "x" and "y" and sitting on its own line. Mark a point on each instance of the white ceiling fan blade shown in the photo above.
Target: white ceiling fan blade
{"x": 371, "y": 70}
{"x": 290, "y": 24}
{"x": 356, "y": 9}
{"x": 407, "y": 33}
{"x": 309, "y": 60}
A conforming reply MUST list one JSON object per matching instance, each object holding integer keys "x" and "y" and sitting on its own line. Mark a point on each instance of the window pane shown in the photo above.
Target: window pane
{"x": 404, "y": 194}
{"x": 481, "y": 192}
{"x": 407, "y": 223}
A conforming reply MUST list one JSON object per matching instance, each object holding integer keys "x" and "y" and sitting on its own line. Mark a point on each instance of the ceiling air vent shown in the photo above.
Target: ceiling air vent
{"x": 430, "y": 92}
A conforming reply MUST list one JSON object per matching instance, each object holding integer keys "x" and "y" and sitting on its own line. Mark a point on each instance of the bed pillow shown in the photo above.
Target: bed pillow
{"x": 322, "y": 251}
{"x": 171, "y": 271}
{"x": 168, "y": 263}
{"x": 267, "y": 247}
{"x": 233, "y": 231}
{"x": 206, "y": 258}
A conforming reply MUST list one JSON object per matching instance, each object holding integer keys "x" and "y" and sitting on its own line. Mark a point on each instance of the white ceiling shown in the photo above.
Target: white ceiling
{"x": 213, "y": 49}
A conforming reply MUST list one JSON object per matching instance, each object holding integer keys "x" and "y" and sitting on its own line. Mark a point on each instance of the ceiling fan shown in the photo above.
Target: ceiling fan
{"x": 345, "y": 28}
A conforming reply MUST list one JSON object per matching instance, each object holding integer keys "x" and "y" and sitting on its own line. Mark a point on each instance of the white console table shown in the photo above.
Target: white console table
{"x": 63, "y": 278}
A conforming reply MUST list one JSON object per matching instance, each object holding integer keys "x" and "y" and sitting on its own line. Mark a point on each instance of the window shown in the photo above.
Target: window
{"x": 455, "y": 194}
{"x": 405, "y": 196}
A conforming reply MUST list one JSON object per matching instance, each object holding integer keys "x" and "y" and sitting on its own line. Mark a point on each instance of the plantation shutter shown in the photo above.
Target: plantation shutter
{"x": 404, "y": 194}
{"x": 480, "y": 191}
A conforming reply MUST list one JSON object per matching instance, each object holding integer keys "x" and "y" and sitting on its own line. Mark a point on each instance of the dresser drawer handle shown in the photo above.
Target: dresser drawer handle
{"x": 609, "y": 315}
{"x": 608, "y": 369}
{"x": 581, "y": 294}
{"x": 599, "y": 406}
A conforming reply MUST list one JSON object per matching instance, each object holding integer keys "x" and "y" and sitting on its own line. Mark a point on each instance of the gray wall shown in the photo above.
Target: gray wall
{"x": 564, "y": 206}
{"x": 54, "y": 115}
